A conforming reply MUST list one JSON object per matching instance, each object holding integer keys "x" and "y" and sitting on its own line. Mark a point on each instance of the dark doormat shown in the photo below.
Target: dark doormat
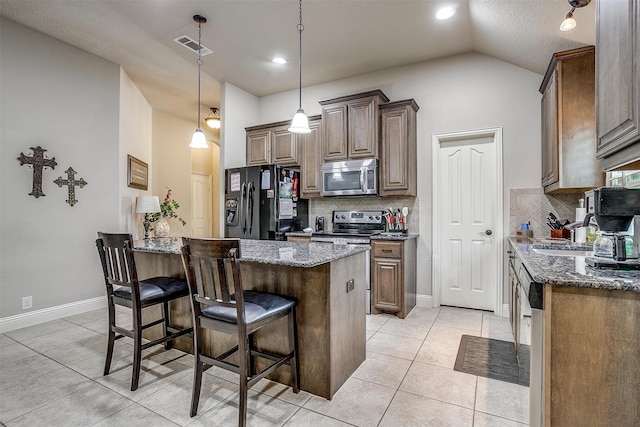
{"x": 492, "y": 358}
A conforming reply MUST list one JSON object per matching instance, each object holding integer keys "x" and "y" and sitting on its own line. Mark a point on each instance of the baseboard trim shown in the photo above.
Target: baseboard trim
{"x": 31, "y": 318}
{"x": 424, "y": 300}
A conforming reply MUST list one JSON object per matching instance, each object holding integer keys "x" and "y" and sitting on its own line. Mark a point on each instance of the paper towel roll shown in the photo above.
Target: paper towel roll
{"x": 580, "y": 214}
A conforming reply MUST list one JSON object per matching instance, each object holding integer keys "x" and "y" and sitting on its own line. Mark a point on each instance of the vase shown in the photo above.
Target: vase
{"x": 161, "y": 228}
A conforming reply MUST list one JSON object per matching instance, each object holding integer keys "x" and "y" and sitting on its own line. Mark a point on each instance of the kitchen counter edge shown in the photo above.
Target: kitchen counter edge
{"x": 266, "y": 251}
{"x": 571, "y": 271}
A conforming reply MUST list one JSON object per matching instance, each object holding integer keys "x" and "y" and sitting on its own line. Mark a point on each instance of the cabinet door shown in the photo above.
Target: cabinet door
{"x": 618, "y": 80}
{"x": 363, "y": 129}
{"x": 398, "y": 153}
{"x": 334, "y": 132}
{"x": 310, "y": 145}
{"x": 258, "y": 148}
{"x": 550, "y": 167}
{"x": 284, "y": 147}
{"x": 387, "y": 284}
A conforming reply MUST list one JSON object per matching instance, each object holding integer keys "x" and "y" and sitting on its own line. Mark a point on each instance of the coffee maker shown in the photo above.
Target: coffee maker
{"x": 614, "y": 209}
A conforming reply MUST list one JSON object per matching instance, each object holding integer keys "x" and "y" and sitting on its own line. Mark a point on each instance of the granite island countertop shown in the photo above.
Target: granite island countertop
{"x": 266, "y": 251}
{"x": 570, "y": 270}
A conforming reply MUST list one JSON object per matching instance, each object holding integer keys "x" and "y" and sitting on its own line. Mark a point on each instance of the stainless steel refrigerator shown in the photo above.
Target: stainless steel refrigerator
{"x": 262, "y": 202}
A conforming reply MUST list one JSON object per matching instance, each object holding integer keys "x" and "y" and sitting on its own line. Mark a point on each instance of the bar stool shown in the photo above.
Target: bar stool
{"x": 124, "y": 288}
{"x": 219, "y": 302}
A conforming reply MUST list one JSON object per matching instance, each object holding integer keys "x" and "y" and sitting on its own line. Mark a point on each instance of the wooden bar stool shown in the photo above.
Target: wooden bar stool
{"x": 124, "y": 288}
{"x": 219, "y": 302}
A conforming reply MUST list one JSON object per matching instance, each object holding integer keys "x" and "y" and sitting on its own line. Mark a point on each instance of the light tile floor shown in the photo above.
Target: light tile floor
{"x": 51, "y": 375}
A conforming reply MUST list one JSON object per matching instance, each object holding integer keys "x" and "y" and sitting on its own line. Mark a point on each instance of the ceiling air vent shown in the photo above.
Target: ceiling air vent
{"x": 192, "y": 45}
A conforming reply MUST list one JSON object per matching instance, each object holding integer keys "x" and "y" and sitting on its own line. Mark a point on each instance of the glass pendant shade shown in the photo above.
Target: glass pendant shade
{"x": 300, "y": 123}
{"x": 198, "y": 140}
{"x": 568, "y": 24}
{"x": 213, "y": 122}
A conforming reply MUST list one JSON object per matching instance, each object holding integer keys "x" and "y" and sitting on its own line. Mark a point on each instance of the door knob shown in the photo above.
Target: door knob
{"x": 488, "y": 232}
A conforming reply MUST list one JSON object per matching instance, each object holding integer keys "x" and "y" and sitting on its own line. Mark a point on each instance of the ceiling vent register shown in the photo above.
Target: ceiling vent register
{"x": 192, "y": 45}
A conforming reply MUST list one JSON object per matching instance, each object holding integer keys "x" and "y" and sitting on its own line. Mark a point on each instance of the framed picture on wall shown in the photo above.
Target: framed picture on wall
{"x": 137, "y": 173}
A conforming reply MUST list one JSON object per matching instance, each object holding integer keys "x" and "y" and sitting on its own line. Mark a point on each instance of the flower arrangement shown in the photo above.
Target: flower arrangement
{"x": 167, "y": 210}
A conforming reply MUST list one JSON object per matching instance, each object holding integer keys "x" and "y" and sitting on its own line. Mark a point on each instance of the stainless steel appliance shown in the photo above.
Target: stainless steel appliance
{"x": 354, "y": 228}
{"x": 262, "y": 202}
{"x": 614, "y": 209}
{"x": 350, "y": 178}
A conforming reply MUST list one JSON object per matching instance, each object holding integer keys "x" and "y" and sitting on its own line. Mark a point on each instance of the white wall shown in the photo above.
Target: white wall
{"x": 135, "y": 140}
{"x": 66, "y": 101}
{"x": 469, "y": 91}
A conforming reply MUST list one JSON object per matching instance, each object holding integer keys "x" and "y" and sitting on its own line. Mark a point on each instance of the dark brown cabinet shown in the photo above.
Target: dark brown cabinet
{"x": 398, "y": 154}
{"x": 310, "y": 146}
{"x": 569, "y": 161}
{"x": 350, "y": 126}
{"x": 618, "y": 83}
{"x": 393, "y": 276}
{"x": 272, "y": 143}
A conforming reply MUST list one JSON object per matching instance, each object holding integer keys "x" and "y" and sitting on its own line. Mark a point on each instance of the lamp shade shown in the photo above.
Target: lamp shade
{"x": 198, "y": 140}
{"x": 148, "y": 204}
{"x": 569, "y": 23}
{"x": 300, "y": 123}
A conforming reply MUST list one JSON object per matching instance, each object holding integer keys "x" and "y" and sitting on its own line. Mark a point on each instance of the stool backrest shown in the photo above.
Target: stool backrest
{"x": 212, "y": 267}
{"x": 117, "y": 260}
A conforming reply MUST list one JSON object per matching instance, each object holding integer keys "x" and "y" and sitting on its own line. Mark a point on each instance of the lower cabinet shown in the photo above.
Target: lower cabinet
{"x": 393, "y": 276}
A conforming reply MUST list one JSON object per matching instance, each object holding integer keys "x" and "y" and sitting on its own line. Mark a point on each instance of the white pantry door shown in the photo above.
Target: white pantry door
{"x": 200, "y": 205}
{"x": 466, "y": 201}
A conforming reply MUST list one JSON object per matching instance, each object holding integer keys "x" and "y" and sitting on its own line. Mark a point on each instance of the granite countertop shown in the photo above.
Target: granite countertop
{"x": 394, "y": 236}
{"x": 266, "y": 251}
{"x": 570, "y": 270}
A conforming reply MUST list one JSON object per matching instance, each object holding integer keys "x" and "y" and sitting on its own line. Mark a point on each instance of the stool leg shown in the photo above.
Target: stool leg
{"x": 243, "y": 353}
{"x": 165, "y": 315}
{"x": 137, "y": 350}
{"x": 111, "y": 337}
{"x": 293, "y": 348}
{"x": 197, "y": 384}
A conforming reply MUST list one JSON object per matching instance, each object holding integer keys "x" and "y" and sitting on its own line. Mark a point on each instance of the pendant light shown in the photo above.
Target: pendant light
{"x": 199, "y": 140}
{"x": 300, "y": 122}
{"x": 569, "y": 23}
{"x": 213, "y": 119}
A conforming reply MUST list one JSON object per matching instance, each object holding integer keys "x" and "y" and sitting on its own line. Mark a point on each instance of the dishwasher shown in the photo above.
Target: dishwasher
{"x": 532, "y": 330}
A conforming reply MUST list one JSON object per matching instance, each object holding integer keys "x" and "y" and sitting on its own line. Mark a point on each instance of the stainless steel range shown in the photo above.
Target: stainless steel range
{"x": 354, "y": 228}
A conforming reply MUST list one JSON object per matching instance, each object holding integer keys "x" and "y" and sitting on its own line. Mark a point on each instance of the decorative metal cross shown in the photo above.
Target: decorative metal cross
{"x": 71, "y": 183}
{"x": 38, "y": 162}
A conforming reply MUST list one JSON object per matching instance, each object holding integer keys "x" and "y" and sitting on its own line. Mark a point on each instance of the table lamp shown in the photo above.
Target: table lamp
{"x": 147, "y": 205}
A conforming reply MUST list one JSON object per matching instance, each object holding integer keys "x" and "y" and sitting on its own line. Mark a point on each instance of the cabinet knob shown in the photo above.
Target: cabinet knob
{"x": 488, "y": 232}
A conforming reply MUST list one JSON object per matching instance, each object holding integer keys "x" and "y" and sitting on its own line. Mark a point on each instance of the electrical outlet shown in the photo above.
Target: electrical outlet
{"x": 27, "y": 303}
{"x": 350, "y": 285}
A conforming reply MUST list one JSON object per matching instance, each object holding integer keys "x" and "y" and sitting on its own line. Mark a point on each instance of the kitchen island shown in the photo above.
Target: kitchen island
{"x": 586, "y": 337}
{"x": 331, "y": 315}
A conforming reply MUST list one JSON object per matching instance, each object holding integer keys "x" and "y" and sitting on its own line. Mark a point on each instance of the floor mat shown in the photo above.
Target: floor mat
{"x": 493, "y": 358}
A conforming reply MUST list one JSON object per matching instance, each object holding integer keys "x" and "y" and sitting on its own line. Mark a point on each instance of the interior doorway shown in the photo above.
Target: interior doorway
{"x": 201, "y": 205}
{"x": 467, "y": 219}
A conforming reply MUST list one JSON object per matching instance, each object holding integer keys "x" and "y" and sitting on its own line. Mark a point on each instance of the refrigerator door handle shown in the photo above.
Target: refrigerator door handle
{"x": 250, "y": 202}
{"x": 243, "y": 215}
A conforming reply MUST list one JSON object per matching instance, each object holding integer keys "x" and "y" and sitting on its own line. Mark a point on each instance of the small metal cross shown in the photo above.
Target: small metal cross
{"x": 71, "y": 183}
{"x": 38, "y": 162}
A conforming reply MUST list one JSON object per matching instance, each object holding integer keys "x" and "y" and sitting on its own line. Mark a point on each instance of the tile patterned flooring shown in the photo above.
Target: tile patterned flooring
{"x": 51, "y": 375}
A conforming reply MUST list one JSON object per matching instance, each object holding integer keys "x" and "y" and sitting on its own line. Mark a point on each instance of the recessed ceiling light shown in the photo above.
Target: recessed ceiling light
{"x": 279, "y": 60}
{"x": 445, "y": 12}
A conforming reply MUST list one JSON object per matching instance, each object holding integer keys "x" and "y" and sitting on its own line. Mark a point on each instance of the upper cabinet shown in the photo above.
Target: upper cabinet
{"x": 569, "y": 161}
{"x": 350, "y": 126}
{"x": 398, "y": 154}
{"x": 618, "y": 83}
{"x": 310, "y": 145}
{"x": 273, "y": 144}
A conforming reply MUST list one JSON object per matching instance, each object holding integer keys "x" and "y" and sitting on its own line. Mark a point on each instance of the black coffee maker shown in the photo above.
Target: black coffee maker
{"x": 614, "y": 209}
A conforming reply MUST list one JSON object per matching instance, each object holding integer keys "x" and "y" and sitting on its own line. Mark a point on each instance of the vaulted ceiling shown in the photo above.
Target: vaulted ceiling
{"x": 341, "y": 38}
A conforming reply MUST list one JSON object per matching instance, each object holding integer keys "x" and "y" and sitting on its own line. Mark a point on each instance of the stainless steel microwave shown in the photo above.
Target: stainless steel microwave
{"x": 350, "y": 178}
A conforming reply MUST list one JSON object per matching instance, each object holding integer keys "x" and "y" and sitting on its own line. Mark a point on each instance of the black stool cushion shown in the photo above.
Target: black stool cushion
{"x": 157, "y": 288}
{"x": 257, "y": 306}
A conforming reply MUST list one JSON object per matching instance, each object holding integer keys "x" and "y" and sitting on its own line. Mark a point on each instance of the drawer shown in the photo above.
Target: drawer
{"x": 387, "y": 249}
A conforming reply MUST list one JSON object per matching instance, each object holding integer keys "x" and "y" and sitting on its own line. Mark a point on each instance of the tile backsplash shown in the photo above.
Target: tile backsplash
{"x": 325, "y": 206}
{"x": 531, "y": 204}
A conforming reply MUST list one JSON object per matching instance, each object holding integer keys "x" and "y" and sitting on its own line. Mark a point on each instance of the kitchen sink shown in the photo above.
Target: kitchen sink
{"x": 561, "y": 252}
